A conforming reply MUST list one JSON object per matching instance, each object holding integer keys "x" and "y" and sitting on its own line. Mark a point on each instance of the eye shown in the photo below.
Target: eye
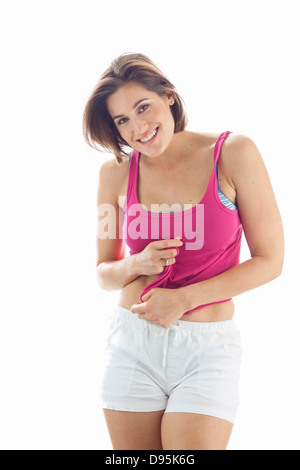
{"x": 143, "y": 108}
{"x": 122, "y": 121}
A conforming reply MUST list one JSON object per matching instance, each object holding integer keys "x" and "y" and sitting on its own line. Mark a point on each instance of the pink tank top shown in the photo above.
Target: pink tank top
{"x": 211, "y": 232}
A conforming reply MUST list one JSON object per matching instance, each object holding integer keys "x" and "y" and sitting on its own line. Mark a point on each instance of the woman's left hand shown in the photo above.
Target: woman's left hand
{"x": 161, "y": 306}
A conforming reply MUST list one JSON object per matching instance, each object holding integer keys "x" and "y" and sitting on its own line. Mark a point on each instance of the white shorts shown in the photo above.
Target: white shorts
{"x": 190, "y": 367}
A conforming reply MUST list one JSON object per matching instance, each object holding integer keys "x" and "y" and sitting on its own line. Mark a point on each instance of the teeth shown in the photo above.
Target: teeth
{"x": 150, "y": 137}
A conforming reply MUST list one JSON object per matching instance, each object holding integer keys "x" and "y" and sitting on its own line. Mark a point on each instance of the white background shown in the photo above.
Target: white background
{"x": 236, "y": 64}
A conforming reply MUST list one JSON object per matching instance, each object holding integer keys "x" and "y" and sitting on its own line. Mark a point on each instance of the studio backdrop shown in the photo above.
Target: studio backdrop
{"x": 236, "y": 66}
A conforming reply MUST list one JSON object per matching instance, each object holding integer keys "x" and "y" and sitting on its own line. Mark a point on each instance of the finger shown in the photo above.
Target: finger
{"x": 169, "y": 253}
{"x": 147, "y": 296}
{"x": 138, "y": 308}
{"x": 168, "y": 243}
{"x": 142, "y": 316}
{"x": 170, "y": 261}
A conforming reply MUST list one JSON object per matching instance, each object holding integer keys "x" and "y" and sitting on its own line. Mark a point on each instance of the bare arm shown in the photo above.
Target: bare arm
{"x": 262, "y": 227}
{"x": 113, "y": 270}
{"x": 114, "y": 275}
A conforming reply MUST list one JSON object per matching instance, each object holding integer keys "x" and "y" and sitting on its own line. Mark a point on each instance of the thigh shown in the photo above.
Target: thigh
{"x": 190, "y": 431}
{"x": 134, "y": 430}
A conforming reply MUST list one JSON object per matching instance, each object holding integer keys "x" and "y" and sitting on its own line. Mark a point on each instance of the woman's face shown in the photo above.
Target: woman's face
{"x": 143, "y": 118}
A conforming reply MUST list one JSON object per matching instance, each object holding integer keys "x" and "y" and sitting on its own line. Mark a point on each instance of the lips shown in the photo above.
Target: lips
{"x": 149, "y": 138}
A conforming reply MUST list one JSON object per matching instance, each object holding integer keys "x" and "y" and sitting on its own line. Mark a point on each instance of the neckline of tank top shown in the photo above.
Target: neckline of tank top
{"x": 145, "y": 212}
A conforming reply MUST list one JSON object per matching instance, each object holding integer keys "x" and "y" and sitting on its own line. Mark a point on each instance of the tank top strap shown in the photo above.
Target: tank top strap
{"x": 218, "y": 145}
{"x": 132, "y": 177}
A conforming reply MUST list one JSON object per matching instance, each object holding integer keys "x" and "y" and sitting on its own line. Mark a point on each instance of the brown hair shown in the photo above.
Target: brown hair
{"x": 99, "y": 127}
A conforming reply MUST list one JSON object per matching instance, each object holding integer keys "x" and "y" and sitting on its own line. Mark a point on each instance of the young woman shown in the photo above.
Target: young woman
{"x": 180, "y": 201}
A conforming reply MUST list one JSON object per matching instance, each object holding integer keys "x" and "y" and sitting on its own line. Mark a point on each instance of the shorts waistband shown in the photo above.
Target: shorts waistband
{"x": 126, "y": 316}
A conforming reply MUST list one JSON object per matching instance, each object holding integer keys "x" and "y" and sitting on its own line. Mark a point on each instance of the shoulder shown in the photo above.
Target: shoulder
{"x": 113, "y": 166}
{"x": 238, "y": 144}
{"x": 111, "y": 171}
{"x": 234, "y": 146}
{"x": 238, "y": 156}
{"x": 113, "y": 175}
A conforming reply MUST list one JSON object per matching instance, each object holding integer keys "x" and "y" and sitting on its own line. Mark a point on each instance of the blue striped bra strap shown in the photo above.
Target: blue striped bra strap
{"x": 223, "y": 198}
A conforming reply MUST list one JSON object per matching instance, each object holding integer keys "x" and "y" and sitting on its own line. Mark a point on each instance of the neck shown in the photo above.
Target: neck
{"x": 176, "y": 150}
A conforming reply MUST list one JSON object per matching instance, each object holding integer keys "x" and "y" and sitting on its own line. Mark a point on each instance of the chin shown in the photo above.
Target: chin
{"x": 156, "y": 149}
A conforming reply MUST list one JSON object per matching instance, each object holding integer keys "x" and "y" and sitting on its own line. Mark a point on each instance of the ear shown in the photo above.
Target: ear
{"x": 171, "y": 98}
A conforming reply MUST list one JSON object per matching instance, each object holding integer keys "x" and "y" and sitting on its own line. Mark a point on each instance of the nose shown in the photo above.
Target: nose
{"x": 139, "y": 127}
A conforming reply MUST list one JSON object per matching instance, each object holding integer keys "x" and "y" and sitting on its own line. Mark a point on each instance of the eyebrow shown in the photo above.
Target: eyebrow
{"x": 134, "y": 106}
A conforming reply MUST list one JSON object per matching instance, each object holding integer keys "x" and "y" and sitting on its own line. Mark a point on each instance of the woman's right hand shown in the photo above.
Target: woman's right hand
{"x": 152, "y": 260}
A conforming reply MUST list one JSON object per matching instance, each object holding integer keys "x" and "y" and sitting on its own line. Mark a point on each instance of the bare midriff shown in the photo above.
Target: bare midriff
{"x": 130, "y": 295}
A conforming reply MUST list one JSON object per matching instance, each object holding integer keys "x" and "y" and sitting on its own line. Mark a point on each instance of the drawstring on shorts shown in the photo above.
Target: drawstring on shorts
{"x": 174, "y": 328}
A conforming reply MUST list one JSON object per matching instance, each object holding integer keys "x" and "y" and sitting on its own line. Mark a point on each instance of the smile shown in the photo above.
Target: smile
{"x": 150, "y": 138}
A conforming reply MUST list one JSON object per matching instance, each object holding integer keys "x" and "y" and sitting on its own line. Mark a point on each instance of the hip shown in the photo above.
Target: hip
{"x": 147, "y": 342}
{"x": 191, "y": 367}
